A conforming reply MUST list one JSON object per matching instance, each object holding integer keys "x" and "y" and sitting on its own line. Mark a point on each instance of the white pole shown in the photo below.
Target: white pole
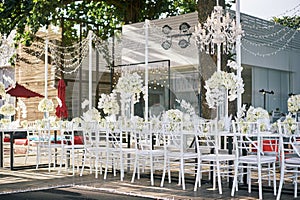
{"x": 238, "y": 51}
{"x": 90, "y": 69}
{"x": 46, "y": 67}
{"x": 218, "y": 57}
{"x": 146, "y": 69}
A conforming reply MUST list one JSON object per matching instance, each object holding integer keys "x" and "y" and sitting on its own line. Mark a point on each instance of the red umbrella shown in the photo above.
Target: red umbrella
{"x": 62, "y": 111}
{"x": 21, "y": 91}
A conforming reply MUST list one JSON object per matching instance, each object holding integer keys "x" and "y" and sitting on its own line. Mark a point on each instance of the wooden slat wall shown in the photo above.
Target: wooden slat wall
{"x": 30, "y": 72}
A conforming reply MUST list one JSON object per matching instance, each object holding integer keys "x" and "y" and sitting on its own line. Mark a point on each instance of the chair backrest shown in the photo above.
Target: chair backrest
{"x": 66, "y": 132}
{"x": 248, "y": 139}
{"x": 32, "y": 131}
{"x": 93, "y": 135}
{"x": 206, "y": 136}
{"x": 143, "y": 135}
{"x": 289, "y": 140}
{"x": 44, "y": 134}
{"x": 114, "y": 135}
{"x": 173, "y": 137}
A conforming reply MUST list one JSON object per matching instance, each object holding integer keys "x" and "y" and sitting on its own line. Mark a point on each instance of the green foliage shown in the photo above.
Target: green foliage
{"x": 101, "y": 16}
{"x": 292, "y": 22}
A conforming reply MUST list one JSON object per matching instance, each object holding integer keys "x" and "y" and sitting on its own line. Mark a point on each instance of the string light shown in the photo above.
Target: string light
{"x": 273, "y": 42}
{"x": 270, "y": 53}
{"x": 262, "y": 33}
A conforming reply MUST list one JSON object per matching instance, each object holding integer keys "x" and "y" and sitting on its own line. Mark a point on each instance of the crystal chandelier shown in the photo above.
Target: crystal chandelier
{"x": 218, "y": 30}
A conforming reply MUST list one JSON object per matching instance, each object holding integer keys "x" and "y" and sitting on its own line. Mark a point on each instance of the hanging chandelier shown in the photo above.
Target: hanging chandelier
{"x": 218, "y": 30}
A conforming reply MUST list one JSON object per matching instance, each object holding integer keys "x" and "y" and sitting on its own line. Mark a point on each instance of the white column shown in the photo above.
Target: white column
{"x": 238, "y": 51}
{"x": 90, "y": 69}
{"x": 46, "y": 67}
{"x": 146, "y": 69}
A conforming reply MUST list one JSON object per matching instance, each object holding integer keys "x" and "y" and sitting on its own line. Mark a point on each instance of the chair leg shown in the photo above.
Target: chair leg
{"x": 296, "y": 185}
{"x": 151, "y": 170}
{"x": 134, "y": 169}
{"x": 182, "y": 174}
{"x": 83, "y": 163}
{"x": 259, "y": 182}
{"x": 198, "y": 180}
{"x": 164, "y": 172}
{"x": 234, "y": 184}
{"x": 280, "y": 184}
{"x": 219, "y": 178}
{"x": 274, "y": 179}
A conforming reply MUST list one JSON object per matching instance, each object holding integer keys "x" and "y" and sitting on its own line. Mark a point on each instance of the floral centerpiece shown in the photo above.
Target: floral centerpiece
{"x": 8, "y": 109}
{"x": 220, "y": 79}
{"x": 294, "y": 103}
{"x": 92, "y": 115}
{"x": 4, "y": 122}
{"x": 46, "y": 105}
{"x": 109, "y": 103}
{"x": 290, "y": 124}
{"x": 77, "y": 122}
{"x": 172, "y": 115}
{"x": 255, "y": 115}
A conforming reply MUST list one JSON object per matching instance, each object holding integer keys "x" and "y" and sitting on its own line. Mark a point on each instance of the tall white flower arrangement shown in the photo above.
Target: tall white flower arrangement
{"x": 294, "y": 103}
{"x": 129, "y": 84}
{"x": 221, "y": 80}
{"x": 109, "y": 103}
{"x": 218, "y": 81}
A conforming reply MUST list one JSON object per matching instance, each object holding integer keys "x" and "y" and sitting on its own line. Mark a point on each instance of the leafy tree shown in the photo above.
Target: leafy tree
{"x": 292, "y": 22}
{"x": 101, "y": 16}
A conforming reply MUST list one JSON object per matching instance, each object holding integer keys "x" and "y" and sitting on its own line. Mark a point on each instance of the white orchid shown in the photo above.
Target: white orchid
{"x": 186, "y": 106}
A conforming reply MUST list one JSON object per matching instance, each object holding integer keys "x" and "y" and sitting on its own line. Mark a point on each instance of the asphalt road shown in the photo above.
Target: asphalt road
{"x": 68, "y": 194}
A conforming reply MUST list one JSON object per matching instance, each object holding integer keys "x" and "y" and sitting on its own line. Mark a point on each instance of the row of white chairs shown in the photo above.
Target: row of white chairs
{"x": 168, "y": 146}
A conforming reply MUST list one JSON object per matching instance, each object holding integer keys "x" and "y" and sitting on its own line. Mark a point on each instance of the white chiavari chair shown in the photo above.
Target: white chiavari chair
{"x": 118, "y": 154}
{"x": 71, "y": 151}
{"x": 248, "y": 138}
{"x": 94, "y": 138}
{"x": 178, "y": 152}
{"x": 47, "y": 146}
{"x": 145, "y": 154}
{"x": 210, "y": 157}
{"x": 290, "y": 155}
{"x": 32, "y": 138}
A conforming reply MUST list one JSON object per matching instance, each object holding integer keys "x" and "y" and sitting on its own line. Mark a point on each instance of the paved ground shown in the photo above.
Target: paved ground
{"x": 37, "y": 184}
{"x": 40, "y": 184}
